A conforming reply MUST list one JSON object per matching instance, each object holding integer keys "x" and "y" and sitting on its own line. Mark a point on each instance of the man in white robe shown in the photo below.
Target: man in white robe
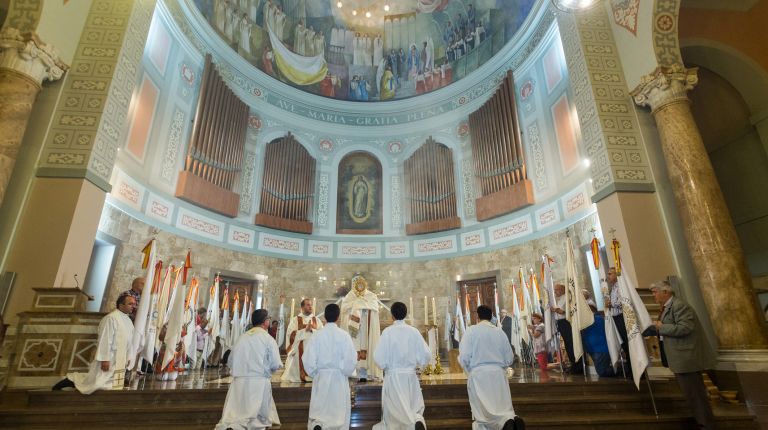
{"x": 107, "y": 370}
{"x": 253, "y": 360}
{"x": 330, "y": 360}
{"x": 300, "y": 329}
{"x": 360, "y": 318}
{"x": 401, "y": 350}
{"x": 485, "y": 354}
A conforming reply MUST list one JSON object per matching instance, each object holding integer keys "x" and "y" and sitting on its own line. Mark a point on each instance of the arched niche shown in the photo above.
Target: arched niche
{"x": 359, "y": 194}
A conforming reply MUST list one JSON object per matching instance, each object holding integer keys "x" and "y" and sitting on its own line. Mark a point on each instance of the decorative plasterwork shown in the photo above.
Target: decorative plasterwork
{"x": 28, "y": 55}
{"x": 88, "y": 124}
{"x": 468, "y": 186}
{"x": 24, "y": 14}
{"x": 168, "y": 168}
{"x": 665, "y": 41}
{"x": 247, "y": 181}
{"x": 395, "y": 194}
{"x": 536, "y": 151}
{"x": 665, "y": 85}
{"x": 323, "y": 188}
{"x": 609, "y": 128}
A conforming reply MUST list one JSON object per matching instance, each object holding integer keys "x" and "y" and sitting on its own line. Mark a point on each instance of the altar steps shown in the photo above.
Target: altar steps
{"x": 605, "y": 404}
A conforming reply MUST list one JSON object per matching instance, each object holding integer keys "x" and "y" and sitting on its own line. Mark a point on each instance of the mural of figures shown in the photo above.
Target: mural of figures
{"x": 417, "y": 46}
{"x": 359, "y": 195}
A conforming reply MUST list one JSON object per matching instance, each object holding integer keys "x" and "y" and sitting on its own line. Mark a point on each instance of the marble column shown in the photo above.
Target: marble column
{"x": 25, "y": 62}
{"x": 725, "y": 283}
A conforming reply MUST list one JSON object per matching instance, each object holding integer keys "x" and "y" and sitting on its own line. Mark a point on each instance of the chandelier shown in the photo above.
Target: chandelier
{"x": 367, "y": 9}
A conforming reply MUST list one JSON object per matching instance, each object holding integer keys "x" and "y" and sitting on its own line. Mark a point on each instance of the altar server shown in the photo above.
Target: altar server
{"x": 485, "y": 354}
{"x": 401, "y": 350}
{"x": 330, "y": 360}
{"x": 253, "y": 360}
{"x": 300, "y": 329}
{"x": 107, "y": 370}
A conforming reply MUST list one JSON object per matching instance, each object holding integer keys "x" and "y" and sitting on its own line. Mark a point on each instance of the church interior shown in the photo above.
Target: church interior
{"x": 446, "y": 154}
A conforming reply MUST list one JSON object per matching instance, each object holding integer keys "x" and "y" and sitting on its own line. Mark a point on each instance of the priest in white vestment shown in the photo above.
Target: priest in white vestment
{"x": 300, "y": 330}
{"x": 401, "y": 350}
{"x": 360, "y": 318}
{"x": 253, "y": 360}
{"x": 330, "y": 360}
{"x": 107, "y": 370}
{"x": 485, "y": 354}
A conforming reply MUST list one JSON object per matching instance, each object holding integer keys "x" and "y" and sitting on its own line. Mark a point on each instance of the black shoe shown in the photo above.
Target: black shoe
{"x": 64, "y": 383}
{"x": 361, "y": 380}
{"x": 317, "y": 428}
{"x": 420, "y": 426}
{"x": 519, "y": 423}
{"x": 509, "y": 425}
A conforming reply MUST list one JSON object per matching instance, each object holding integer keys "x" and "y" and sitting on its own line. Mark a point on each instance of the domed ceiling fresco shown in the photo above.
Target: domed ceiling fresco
{"x": 366, "y": 50}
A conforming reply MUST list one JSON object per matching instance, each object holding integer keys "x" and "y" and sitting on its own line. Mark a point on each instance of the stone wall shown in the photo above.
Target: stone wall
{"x": 296, "y": 279}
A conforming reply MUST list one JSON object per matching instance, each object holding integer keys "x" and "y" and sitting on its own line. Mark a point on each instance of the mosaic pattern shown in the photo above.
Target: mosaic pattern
{"x": 608, "y": 122}
{"x": 396, "y": 207}
{"x": 88, "y": 124}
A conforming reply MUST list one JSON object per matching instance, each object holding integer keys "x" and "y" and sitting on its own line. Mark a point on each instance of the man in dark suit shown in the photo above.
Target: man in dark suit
{"x": 682, "y": 340}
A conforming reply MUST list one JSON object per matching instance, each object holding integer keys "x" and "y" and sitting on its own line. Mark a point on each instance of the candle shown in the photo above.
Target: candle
{"x": 434, "y": 312}
{"x": 426, "y": 311}
{"x": 314, "y": 305}
{"x": 410, "y": 307}
{"x": 293, "y": 303}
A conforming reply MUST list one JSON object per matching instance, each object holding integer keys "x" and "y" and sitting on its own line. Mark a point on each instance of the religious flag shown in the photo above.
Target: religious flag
{"x": 244, "y": 313}
{"x": 236, "y": 330}
{"x": 212, "y": 315}
{"x": 150, "y": 334}
{"x": 149, "y": 253}
{"x": 496, "y": 305}
{"x": 612, "y": 336}
{"x": 175, "y": 323}
{"x": 536, "y": 292}
{"x": 174, "y": 289}
{"x": 577, "y": 311}
{"x": 142, "y": 313}
{"x": 636, "y": 320}
{"x": 467, "y": 314}
{"x": 225, "y": 321}
{"x": 550, "y": 323}
{"x": 187, "y": 266}
{"x": 248, "y": 315}
{"x": 190, "y": 322}
{"x": 595, "y": 248}
{"x": 518, "y": 332}
{"x": 281, "y": 323}
{"x": 461, "y": 327}
{"x": 616, "y": 257}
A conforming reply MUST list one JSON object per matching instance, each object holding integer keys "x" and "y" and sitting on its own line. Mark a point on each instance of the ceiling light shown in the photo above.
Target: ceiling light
{"x": 386, "y": 8}
{"x": 354, "y": 12}
{"x": 339, "y": 5}
{"x": 367, "y": 14}
{"x": 573, "y": 6}
{"x": 587, "y": 162}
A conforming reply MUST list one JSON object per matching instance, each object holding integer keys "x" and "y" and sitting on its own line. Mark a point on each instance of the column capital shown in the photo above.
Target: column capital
{"x": 25, "y": 53}
{"x": 666, "y": 84}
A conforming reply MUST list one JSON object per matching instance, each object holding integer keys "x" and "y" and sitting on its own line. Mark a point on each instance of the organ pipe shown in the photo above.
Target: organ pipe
{"x": 289, "y": 180}
{"x": 497, "y": 146}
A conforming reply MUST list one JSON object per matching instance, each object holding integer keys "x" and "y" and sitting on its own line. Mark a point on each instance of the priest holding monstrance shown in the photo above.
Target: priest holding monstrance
{"x": 360, "y": 318}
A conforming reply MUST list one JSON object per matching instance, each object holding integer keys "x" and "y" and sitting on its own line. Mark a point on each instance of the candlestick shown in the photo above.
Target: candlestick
{"x": 434, "y": 312}
{"x": 410, "y": 307}
{"x": 426, "y": 311}
{"x": 293, "y": 303}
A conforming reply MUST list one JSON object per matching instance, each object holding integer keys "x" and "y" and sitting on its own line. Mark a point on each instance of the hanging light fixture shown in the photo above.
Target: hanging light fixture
{"x": 354, "y": 12}
{"x": 386, "y": 7}
{"x": 367, "y": 14}
{"x": 573, "y": 6}
{"x": 339, "y": 4}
